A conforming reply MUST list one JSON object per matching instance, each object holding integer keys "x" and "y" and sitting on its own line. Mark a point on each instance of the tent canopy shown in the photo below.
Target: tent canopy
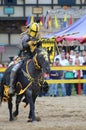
{"x": 76, "y": 31}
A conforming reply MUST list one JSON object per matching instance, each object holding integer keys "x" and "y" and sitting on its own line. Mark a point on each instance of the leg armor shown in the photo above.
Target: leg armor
{"x": 13, "y": 76}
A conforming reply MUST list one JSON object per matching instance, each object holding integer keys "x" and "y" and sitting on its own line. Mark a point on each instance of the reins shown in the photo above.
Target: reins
{"x": 35, "y": 62}
{"x": 23, "y": 90}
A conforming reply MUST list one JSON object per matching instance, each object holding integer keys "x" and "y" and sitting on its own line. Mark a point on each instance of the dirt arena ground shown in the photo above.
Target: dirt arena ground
{"x": 57, "y": 113}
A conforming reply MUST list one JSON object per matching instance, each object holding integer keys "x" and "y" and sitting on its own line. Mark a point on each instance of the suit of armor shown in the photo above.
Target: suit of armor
{"x": 27, "y": 47}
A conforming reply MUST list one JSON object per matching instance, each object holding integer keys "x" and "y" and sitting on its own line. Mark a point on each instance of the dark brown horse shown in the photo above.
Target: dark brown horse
{"x": 29, "y": 83}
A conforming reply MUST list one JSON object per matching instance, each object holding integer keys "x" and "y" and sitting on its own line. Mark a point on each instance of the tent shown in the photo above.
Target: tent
{"x": 76, "y": 31}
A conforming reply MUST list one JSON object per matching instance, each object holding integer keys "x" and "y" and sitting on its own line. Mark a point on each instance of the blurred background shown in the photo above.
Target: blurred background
{"x": 52, "y": 15}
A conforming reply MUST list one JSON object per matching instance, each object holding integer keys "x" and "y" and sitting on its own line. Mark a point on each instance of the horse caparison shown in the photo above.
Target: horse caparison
{"x": 29, "y": 82}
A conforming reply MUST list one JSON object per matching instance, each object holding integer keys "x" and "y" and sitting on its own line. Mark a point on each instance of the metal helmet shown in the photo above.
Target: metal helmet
{"x": 33, "y": 30}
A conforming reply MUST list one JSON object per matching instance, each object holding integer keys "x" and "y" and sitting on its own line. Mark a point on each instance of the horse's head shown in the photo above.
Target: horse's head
{"x": 42, "y": 60}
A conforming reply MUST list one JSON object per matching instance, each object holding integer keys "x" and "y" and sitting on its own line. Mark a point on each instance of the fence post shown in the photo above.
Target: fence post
{"x": 79, "y": 84}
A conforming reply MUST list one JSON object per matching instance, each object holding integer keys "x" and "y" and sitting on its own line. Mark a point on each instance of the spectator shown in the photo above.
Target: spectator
{"x": 60, "y": 76}
{"x": 77, "y": 56}
{"x": 84, "y": 76}
{"x": 76, "y": 74}
{"x": 63, "y": 62}
{"x": 53, "y": 87}
{"x": 67, "y": 56}
{"x": 83, "y": 55}
{"x": 72, "y": 54}
{"x": 5, "y": 64}
{"x": 57, "y": 56}
{"x": 55, "y": 75}
{"x": 69, "y": 75}
{"x": 1, "y": 65}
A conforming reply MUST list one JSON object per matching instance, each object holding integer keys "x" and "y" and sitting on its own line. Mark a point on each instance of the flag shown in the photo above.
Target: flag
{"x": 32, "y": 19}
{"x": 46, "y": 20}
{"x": 27, "y": 21}
{"x": 49, "y": 22}
{"x": 41, "y": 21}
{"x": 65, "y": 21}
{"x": 70, "y": 20}
{"x": 56, "y": 22}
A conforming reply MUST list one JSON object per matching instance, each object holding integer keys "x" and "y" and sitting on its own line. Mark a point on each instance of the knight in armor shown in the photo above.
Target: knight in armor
{"x": 28, "y": 44}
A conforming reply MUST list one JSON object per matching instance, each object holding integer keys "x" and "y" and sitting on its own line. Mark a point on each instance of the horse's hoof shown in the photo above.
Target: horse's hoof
{"x": 25, "y": 105}
{"x": 35, "y": 120}
{"x": 38, "y": 118}
{"x": 29, "y": 120}
{"x": 15, "y": 114}
{"x": 11, "y": 119}
{"x": 15, "y": 118}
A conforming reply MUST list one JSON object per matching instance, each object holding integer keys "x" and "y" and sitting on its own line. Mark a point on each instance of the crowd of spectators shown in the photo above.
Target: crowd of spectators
{"x": 72, "y": 58}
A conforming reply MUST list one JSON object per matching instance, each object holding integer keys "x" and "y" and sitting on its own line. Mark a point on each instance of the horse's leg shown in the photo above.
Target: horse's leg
{"x": 30, "y": 101}
{"x": 18, "y": 100}
{"x": 30, "y": 113}
{"x": 37, "y": 118}
{"x": 34, "y": 100}
{"x": 10, "y": 106}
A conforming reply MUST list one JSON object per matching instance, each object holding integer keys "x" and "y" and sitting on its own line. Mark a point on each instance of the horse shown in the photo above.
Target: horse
{"x": 28, "y": 83}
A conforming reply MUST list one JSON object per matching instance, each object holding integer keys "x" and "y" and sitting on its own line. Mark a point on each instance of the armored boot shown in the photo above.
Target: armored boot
{"x": 12, "y": 78}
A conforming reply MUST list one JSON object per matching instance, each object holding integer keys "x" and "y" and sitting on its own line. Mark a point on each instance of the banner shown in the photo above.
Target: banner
{"x": 56, "y": 22}
{"x": 27, "y": 21}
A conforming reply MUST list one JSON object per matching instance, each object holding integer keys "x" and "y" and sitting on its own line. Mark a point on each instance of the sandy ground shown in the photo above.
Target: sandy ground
{"x": 57, "y": 113}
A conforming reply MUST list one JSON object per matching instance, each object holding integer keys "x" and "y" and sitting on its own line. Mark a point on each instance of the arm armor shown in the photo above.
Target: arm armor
{"x": 24, "y": 42}
{"x": 25, "y": 45}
